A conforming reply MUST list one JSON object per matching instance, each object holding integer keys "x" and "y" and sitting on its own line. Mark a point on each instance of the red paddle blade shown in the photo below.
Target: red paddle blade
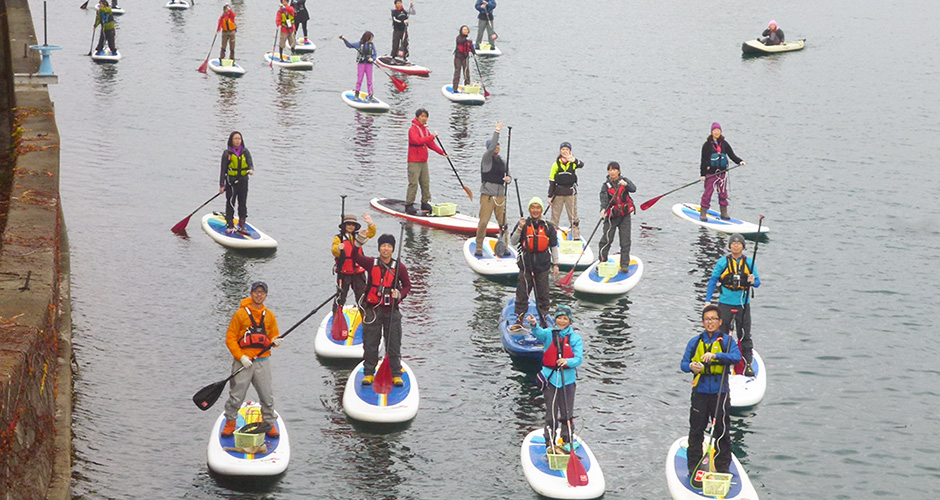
{"x": 486, "y": 93}
{"x": 202, "y": 67}
{"x": 383, "y": 378}
{"x": 399, "y": 84}
{"x": 566, "y": 279}
{"x": 340, "y": 327}
{"x": 648, "y": 203}
{"x": 180, "y": 227}
{"x": 576, "y": 474}
{"x": 469, "y": 193}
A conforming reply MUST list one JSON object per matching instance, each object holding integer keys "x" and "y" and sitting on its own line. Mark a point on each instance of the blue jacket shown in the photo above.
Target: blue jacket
{"x": 732, "y": 298}
{"x": 708, "y": 384}
{"x": 577, "y": 348}
{"x": 485, "y": 12}
{"x": 369, "y": 50}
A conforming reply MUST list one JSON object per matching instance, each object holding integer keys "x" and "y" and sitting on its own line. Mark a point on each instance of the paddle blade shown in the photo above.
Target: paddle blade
{"x": 566, "y": 279}
{"x": 399, "y": 84}
{"x": 202, "y": 67}
{"x": 340, "y": 329}
{"x": 84, "y": 5}
{"x": 486, "y": 93}
{"x": 648, "y": 203}
{"x": 208, "y": 395}
{"x": 576, "y": 474}
{"x": 383, "y": 378}
{"x": 180, "y": 227}
{"x": 469, "y": 193}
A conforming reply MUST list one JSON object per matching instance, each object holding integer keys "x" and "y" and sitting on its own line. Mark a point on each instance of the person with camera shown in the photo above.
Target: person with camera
{"x": 737, "y": 274}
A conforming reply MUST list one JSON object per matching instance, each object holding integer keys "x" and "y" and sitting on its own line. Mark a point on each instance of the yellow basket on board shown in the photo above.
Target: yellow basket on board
{"x": 557, "y": 461}
{"x": 294, "y": 59}
{"x": 484, "y": 46}
{"x": 608, "y": 269}
{"x": 443, "y": 209}
{"x": 570, "y": 247}
{"x": 473, "y": 88}
{"x": 227, "y": 62}
{"x": 249, "y": 435}
{"x": 716, "y": 484}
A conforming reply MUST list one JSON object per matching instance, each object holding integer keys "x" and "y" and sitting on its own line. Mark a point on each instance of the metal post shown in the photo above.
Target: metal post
{"x": 45, "y": 25}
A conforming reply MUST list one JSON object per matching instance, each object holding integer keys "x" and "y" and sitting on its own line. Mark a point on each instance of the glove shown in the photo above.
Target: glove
{"x": 246, "y": 361}
{"x": 276, "y": 342}
{"x": 742, "y": 163}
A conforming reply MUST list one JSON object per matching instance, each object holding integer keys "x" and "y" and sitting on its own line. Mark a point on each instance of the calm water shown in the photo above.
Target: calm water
{"x": 840, "y": 141}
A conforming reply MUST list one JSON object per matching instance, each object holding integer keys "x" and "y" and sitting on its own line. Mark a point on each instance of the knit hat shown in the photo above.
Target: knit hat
{"x": 715, "y": 125}
{"x": 772, "y": 23}
{"x": 536, "y": 200}
{"x": 257, "y": 284}
{"x": 736, "y": 238}
{"x": 564, "y": 145}
{"x": 613, "y": 165}
{"x": 562, "y": 310}
{"x": 386, "y": 238}
{"x": 350, "y": 219}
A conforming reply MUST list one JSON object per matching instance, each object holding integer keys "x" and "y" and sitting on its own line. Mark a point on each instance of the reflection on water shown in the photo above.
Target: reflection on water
{"x": 363, "y": 138}
{"x": 105, "y": 79}
{"x": 711, "y": 247}
{"x": 227, "y": 108}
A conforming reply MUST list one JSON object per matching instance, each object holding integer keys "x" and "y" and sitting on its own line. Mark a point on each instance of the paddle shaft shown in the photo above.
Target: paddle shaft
{"x": 452, "y": 167}
{"x": 718, "y": 405}
{"x": 274, "y": 46}
{"x": 515, "y": 181}
{"x": 567, "y": 278}
{"x": 647, "y": 203}
{"x": 750, "y": 289}
{"x": 575, "y": 473}
{"x": 211, "y": 46}
{"x": 204, "y": 204}
{"x": 480, "y": 73}
{"x": 91, "y": 47}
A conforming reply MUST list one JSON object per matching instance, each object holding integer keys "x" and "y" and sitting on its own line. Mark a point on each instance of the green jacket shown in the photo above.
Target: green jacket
{"x": 105, "y": 18}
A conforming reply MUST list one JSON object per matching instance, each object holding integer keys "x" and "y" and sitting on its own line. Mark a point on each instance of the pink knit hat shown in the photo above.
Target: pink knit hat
{"x": 772, "y": 23}
{"x": 716, "y": 125}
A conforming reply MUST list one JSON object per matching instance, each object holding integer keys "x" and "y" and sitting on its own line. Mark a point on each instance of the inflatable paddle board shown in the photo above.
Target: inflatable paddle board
{"x": 232, "y": 69}
{"x": 362, "y": 403}
{"x": 553, "y": 483}
{"x": 570, "y": 249}
{"x": 746, "y": 392}
{"x": 223, "y": 457}
{"x": 350, "y": 348}
{"x": 289, "y": 62}
{"x": 598, "y": 281}
{"x": 690, "y": 212}
{"x": 522, "y": 343}
{"x": 487, "y": 50}
{"x": 489, "y": 264}
{"x": 406, "y": 68}
{"x": 756, "y": 48}
{"x": 117, "y": 11}
{"x": 304, "y": 46}
{"x": 462, "y": 97}
{"x": 177, "y": 5}
{"x": 677, "y": 476}
{"x": 214, "y": 225}
{"x": 457, "y": 222}
{"x": 106, "y": 56}
{"x": 360, "y": 103}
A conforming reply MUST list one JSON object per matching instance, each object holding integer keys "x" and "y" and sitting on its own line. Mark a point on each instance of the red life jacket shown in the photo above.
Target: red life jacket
{"x": 345, "y": 263}
{"x": 550, "y": 356}
{"x": 620, "y": 207}
{"x": 255, "y": 336}
{"x": 534, "y": 238}
{"x": 381, "y": 279}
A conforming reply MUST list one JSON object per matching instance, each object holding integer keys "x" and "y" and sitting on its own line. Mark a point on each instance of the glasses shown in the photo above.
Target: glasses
{"x": 711, "y": 320}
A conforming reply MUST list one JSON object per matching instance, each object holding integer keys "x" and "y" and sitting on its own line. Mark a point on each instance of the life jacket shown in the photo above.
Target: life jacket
{"x": 287, "y": 20}
{"x": 105, "y": 17}
{"x": 381, "y": 279}
{"x": 345, "y": 263}
{"x": 255, "y": 336}
{"x": 565, "y": 177}
{"x": 534, "y": 238}
{"x": 620, "y": 207}
{"x": 228, "y": 22}
{"x": 714, "y": 347}
{"x": 734, "y": 277}
{"x": 718, "y": 159}
{"x": 364, "y": 53}
{"x": 550, "y": 356}
{"x": 497, "y": 171}
{"x": 464, "y": 48}
{"x": 237, "y": 164}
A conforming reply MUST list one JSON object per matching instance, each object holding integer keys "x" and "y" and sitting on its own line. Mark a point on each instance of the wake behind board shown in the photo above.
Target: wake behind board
{"x": 570, "y": 249}
{"x": 106, "y": 56}
{"x": 269, "y": 462}
{"x": 458, "y": 222}
{"x": 598, "y": 281}
{"x": 746, "y": 392}
{"x": 756, "y": 48}
{"x": 177, "y": 5}
{"x": 554, "y": 483}
{"x": 490, "y": 264}
{"x": 361, "y": 102}
{"x": 294, "y": 63}
{"x": 690, "y": 212}
{"x": 462, "y": 97}
{"x": 677, "y": 475}
{"x": 362, "y": 403}
{"x": 304, "y": 46}
{"x": 407, "y": 68}
{"x": 117, "y": 11}
{"x": 228, "y": 68}
{"x": 521, "y": 343}
{"x": 349, "y": 348}
{"x": 252, "y": 238}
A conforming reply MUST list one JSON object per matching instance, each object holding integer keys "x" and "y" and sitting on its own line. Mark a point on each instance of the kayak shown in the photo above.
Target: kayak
{"x": 226, "y": 69}
{"x": 521, "y": 344}
{"x": 360, "y": 103}
{"x": 304, "y": 45}
{"x": 552, "y": 482}
{"x": 362, "y": 403}
{"x": 489, "y": 264}
{"x": 106, "y": 56}
{"x": 117, "y": 11}
{"x": 456, "y": 222}
{"x": 677, "y": 476}
{"x": 746, "y": 392}
{"x": 570, "y": 249}
{"x": 406, "y": 68}
{"x": 755, "y": 47}
{"x": 214, "y": 225}
{"x": 177, "y": 5}
{"x": 690, "y": 212}
{"x": 598, "y": 280}
{"x": 349, "y": 348}
{"x": 487, "y": 50}
{"x": 289, "y": 62}
{"x": 463, "y": 97}
{"x": 269, "y": 461}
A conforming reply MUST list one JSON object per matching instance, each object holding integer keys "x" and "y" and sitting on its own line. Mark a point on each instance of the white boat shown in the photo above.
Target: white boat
{"x": 477, "y": 97}
{"x": 553, "y": 483}
{"x": 177, "y": 5}
{"x": 288, "y": 62}
{"x": 690, "y": 212}
{"x": 374, "y": 105}
{"x": 226, "y": 67}
{"x": 677, "y": 475}
{"x": 603, "y": 281}
{"x": 756, "y": 48}
{"x": 251, "y": 238}
{"x": 362, "y": 403}
{"x": 746, "y": 392}
{"x": 222, "y": 455}
{"x": 569, "y": 250}
{"x": 490, "y": 264}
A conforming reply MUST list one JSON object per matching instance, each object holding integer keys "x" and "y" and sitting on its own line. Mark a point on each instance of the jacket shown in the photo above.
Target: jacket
{"x": 730, "y": 297}
{"x": 227, "y": 21}
{"x": 404, "y": 282}
{"x": 605, "y": 197}
{"x": 559, "y": 187}
{"x": 226, "y": 155}
{"x": 486, "y": 12}
{"x": 300, "y": 11}
{"x": 708, "y": 148}
{"x": 279, "y": 21}
{"x": 240, "y": 323}
{"x": 399, "y": 16}
{"x": 780, "y": 38}
{"x": 539, "y": 262}
{"x": 463, "y": 41}
{"x": 104, "y": 15}
{"x": 709, "y": 384}
{"x": 338, "y": 242}
{"x": 492, "y": 170}
{"x": 419, "y": 140}
{"x": 553, "y": 375}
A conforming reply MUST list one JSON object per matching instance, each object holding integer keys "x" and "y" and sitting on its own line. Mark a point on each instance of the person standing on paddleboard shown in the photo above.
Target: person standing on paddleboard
{"x": 301, "y": 16}
{"x": 347, "y": 272}
{"x": 462, "y": 58}
{"x": 538, "y": 240}
{"x": 485, "y": 17}
{"x": 715, "y": 154}
{"x": 365, "y": 56}
{"x": 562, "y": 351}
{"x": 772, "y": 35}
{"x": 400, "y": 31}
{"x": 233, "y": 180}
{"x": 736, "y": 273}
{"x": 419, "y": 140}
{"x": 252, "y": 330}
{"x": 285, "y": 21}
{"x": 227, "y": 27}
{"x": 709, "y": 355}
{"x": 616, "y": 207}
{"x": 388, "y": 286}
{"x": 563, "y": 188}
{"x": 493, "y": 189}
{"x": 105, "y": 18}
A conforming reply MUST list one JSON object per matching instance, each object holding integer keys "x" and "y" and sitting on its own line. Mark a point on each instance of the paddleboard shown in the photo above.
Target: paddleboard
{"x": 287, "y": 63}
{"x": 570, "y": 249}
{"x": 374, "y": 106}
{"x": 362, "y": 403}
{"x": 177, "y": 5}
{"x": 590, "y": 281}
{"x": 489, "y": 264}
{"x": 746, "y": 392}
{"x": 117, "y": 11}
{"x": 521, "y": 344}
{"x": 214, "y": 225}
{"x": 677, "y": 475}
{"x": 106, "y": 56}
{"x": 304, "y": 46}
{"x": 554, "y": 483}
{"x": 458, "y": 222}
{"x": 406, "y": 68}
{"x": 755, "y": 48}
{"x": 462, "y": 97}
{"x": 491, "y": 52}
{"x": 690, "y": 212}
{"x": 232, "y": 463}
{"x": 349, "y": 348}
{"x": 233, "y": 70}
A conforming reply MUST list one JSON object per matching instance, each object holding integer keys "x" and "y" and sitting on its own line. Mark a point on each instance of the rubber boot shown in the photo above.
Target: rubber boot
{"x": 426, "y": 207}
{"x": 576, "y": 229}
{"x": 724, "y": 213}
{"x": 410, "y": 209}
{"x": 703, "y": 214}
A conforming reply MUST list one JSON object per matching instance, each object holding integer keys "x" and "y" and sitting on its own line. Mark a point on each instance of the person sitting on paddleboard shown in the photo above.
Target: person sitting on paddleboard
{"x": 400, "y": 31}
{"x": 485, "y": 17}
{"x": 563, "y": 188}
{"x": 616, "y": 207}
{"x": 387, "y": 288}
{"x": 105, "y": 18}
{"x": 365, "y": 56}
{"x": 562, "y": 354}
{"x": 252, "y": 330}
{"x": 493, "y": 190}
{"x": 285, "y": 21}
{"x": 233, "y": 180}
{"x": 737, "y": 274}
{"x": 419, "y": 140}
{"x": 227, "y": 27}
{"x": 301, "y": 16}
{"x": 347, "y": 272}
{"x": 772, "y": 35}
{"x": 715, "y": 154}
{"x": 462, "y": 58}
{"x": 709, "y": 355}
{"x": 538, "y": 240}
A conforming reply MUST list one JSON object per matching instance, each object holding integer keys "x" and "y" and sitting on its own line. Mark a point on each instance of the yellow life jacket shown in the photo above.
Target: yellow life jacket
{"x": 237, "y": 165}
{"x": 712, "y": 368}
{"x": 735, "y": 269}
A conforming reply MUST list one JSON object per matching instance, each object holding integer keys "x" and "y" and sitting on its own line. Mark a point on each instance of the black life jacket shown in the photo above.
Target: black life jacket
{"x": 564, "y": 176}
{"x": 364, "y": 53}
{"x": 497, "y": 172}
{"x": 255, "y": 336}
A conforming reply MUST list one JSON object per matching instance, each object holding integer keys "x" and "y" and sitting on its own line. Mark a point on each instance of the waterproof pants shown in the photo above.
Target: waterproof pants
{"x": 703, "y": 409}
{"x": 558, "y": 414}
{"x": 418, "y": 175}
{"x": 525, "y": 285}
{"x": 461, "y": 64}
{"x": 400, "y": 42}
{"x": 570, "y": 204}
{"x": 287, "y": 38}
{"x": 377, "y": 329}
{"x": 487, "y": 25}
{"x": 236, "y": 190}
{"x": 488, "y": 205}
{"x": 720, "y": 182}
{"x": 621, "y": 225}
{"x": 358, "y": 283}
{"x": 259, "y": 376}
{"x": 742, "y": 323}
{"x": 228, "y": 37}
{"x": 106, "y": 35}
{"x": 363, "y": 69}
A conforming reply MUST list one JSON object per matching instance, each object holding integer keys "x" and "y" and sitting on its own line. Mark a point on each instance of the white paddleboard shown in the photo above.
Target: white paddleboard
{"x": 231, "y": 70}
{"x": 304, "y": 45}
{"x": 288, "y": 62}
{"x": 458, "y": 222}
{"x": 491, "y": 52}
{"x": 349, "y": 348}
{"x": 461, "y": 97}
{"x": 106, "y": 56}
{"x": 234, "y": 463}
{"x": 746, "y": 392}
{"x": 677, "y": 475}
{"x": 489, "y": 264}
{"x": 362, "y": 403}
{"x": 570, "y": 249}
{"x": 554, "y": 483}
{"x": 177, "y": 5}
{"x": 214, "y": 225}
{"x": 407, "y": 68}
{"x": 755, "y": 47}
{"x": 690, "y": 212}
{"x": 374, "y": 106}
{"x": 591, "y": 282}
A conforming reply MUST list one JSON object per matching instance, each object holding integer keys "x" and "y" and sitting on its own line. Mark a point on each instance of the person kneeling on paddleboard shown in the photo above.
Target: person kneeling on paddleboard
{"x": 253, "y": 329}
{"x": 227, "y": 27}
{"x": 105, "y": 18}
{"x": 715, "y": 154}
{"x": 462, "y": 58}
{"x": 709, "y": 356}
{"x": 538, "y": 241}
{"x": 772, "y": 35}
{"x": 737, "y": 274}
{"x": 419, "y": 140}
{"x": 347, "y": 272}
{"x": 365, "y": 57}
{"x": 563, "y": 351}
{"x": 285, "y": 21}
{"x": 616, "y": 207}
{"x": 233, "y": 181}
{"x": 400, "y": 31}
{"x": 563, "y": 188}
{"x": 493, "y": 190}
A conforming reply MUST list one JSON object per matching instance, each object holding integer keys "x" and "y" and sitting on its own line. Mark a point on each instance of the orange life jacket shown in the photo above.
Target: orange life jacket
{"x": 255, "y": 336}
{"x": 534, "y": 238}
{"x": 381, "y": 279}
{"x": 550, "y": 356}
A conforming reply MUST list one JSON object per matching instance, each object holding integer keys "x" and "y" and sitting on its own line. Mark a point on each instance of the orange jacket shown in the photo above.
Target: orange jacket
{"x": 240, "y": 323}
{"x": 227, "y": 21}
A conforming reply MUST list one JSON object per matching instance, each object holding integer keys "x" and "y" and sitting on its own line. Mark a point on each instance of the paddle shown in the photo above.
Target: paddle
{"x": 465, "y": 188}
{"x": 575, "y": 472}
{"x": 648, "y": 203}
{"x": 477, "y": 64}
{"x": 509, "y": 150}
{"x": 566, "y": 279}
{"x": 84, "y": 5}
{"x": 92, "y": 46}
{"x": 399, "y": 84}
{"x": 274, "y": 46}
{"x": 180, "y": 227}
{"x": 760, "y": 221}
{"x": 502, "y": 241}
{"x": 202, "y": 67}
{"x": 208, "y": 395}
{"x": 340, "y": 330}
{"x": 710, "y": 450}
{"x": 383, "y": 376}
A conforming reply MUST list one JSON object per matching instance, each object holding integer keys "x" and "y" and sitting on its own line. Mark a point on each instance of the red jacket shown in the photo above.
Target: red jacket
{"x": 230, "y": 25}
{"x": 289, "y": 12}
{"x": 419, "y": 140}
